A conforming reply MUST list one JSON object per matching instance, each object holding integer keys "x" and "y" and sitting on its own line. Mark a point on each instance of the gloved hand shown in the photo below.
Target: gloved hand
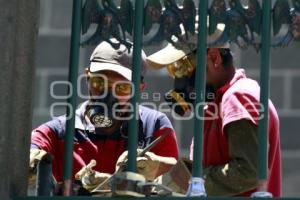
{"x": 90, "y": 182}
{"x": 36, "y": 155}
{"x": 149, "y": 165}
{"x": 90, "y": 178}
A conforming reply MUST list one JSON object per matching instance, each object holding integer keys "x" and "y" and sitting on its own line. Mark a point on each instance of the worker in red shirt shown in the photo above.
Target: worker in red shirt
{"x": 101, "y": 122}
{"x": 230, "y": 122}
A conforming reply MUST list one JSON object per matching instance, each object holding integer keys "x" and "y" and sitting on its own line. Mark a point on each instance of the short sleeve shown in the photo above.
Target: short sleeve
{"x": 237, "y": 106}
{"x": 168, "y": 146}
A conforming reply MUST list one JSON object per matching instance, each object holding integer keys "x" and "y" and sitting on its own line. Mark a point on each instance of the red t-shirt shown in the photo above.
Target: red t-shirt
{"x": 239, "y": 99}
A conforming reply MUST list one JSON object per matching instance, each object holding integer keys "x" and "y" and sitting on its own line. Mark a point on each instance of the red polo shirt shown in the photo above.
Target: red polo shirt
{"x": 239, "y": 99}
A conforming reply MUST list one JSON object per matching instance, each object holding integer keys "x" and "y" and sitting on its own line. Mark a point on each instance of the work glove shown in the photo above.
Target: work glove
{"x": 36, "y": 155}
{"x": 90, "y": 178}
{"x": 149, "y": 165}
{"x": 90, "y": 182}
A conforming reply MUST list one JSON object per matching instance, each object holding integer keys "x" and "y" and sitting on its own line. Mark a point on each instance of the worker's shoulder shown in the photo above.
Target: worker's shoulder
{"x": 150, "y": 113}
{"x": 57, "y": 125}
{"x": 153, "y": 119}
{"x": 244, "y": 86}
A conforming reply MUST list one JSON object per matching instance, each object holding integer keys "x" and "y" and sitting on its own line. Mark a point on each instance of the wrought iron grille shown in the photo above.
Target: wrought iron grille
{"x": 252, "y": 23}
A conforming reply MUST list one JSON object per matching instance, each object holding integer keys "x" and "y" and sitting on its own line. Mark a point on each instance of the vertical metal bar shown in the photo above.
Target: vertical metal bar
{"x": 200, "y": 88}
{"x": 73, "y": 73}
{"x": 264, "y": 93}
{"x": 44, "y": 184}
{"x": 136, "y": 79}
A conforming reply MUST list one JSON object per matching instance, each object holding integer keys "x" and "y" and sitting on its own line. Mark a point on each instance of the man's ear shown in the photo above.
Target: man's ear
{"x": 215, "y": 56}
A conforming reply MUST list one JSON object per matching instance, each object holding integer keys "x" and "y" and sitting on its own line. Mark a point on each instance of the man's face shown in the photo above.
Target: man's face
{"x": 110, "y": 81}
{"x": 109, "y": 94}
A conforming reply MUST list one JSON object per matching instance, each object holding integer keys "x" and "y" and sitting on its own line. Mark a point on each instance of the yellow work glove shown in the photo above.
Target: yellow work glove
{"x": 91, "y": 181}
{"x": 90, "y": 178}
{"x": 36, "y": 155}
{"x": 149, "y": 165}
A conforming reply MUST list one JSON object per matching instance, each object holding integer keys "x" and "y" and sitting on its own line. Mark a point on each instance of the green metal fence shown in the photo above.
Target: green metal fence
{"x": 73, "y": 73}
{"x": 142, "y": 19}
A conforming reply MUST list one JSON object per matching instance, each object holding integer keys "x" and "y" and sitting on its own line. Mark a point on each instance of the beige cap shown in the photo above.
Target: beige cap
{"x": 181, "y": 47}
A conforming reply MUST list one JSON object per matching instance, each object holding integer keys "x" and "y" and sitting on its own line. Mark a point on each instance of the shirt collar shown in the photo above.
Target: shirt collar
{"x": 239, "y": 73}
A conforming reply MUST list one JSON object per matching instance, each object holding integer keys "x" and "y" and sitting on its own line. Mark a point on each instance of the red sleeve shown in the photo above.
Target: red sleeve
{"x": 239, "y": 106}
{"x": 168, "y": 145}
{"x": 44, "y": 138}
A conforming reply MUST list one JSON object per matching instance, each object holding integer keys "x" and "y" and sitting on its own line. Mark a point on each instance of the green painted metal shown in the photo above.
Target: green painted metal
{"x": 136, "y": 79}
{"x": 108, "y": 16}
{"x": 200, "y": 89}
{"x": 143, "y": 198}
{"x": 73, "y": 73}
{"x": 264, "y": 93}
{"x": 44, "y": 176}
{"x": 243, "y": 23}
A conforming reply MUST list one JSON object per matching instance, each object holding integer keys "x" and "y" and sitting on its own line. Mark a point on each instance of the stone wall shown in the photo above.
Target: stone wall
{"x": 18, "y": 35}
